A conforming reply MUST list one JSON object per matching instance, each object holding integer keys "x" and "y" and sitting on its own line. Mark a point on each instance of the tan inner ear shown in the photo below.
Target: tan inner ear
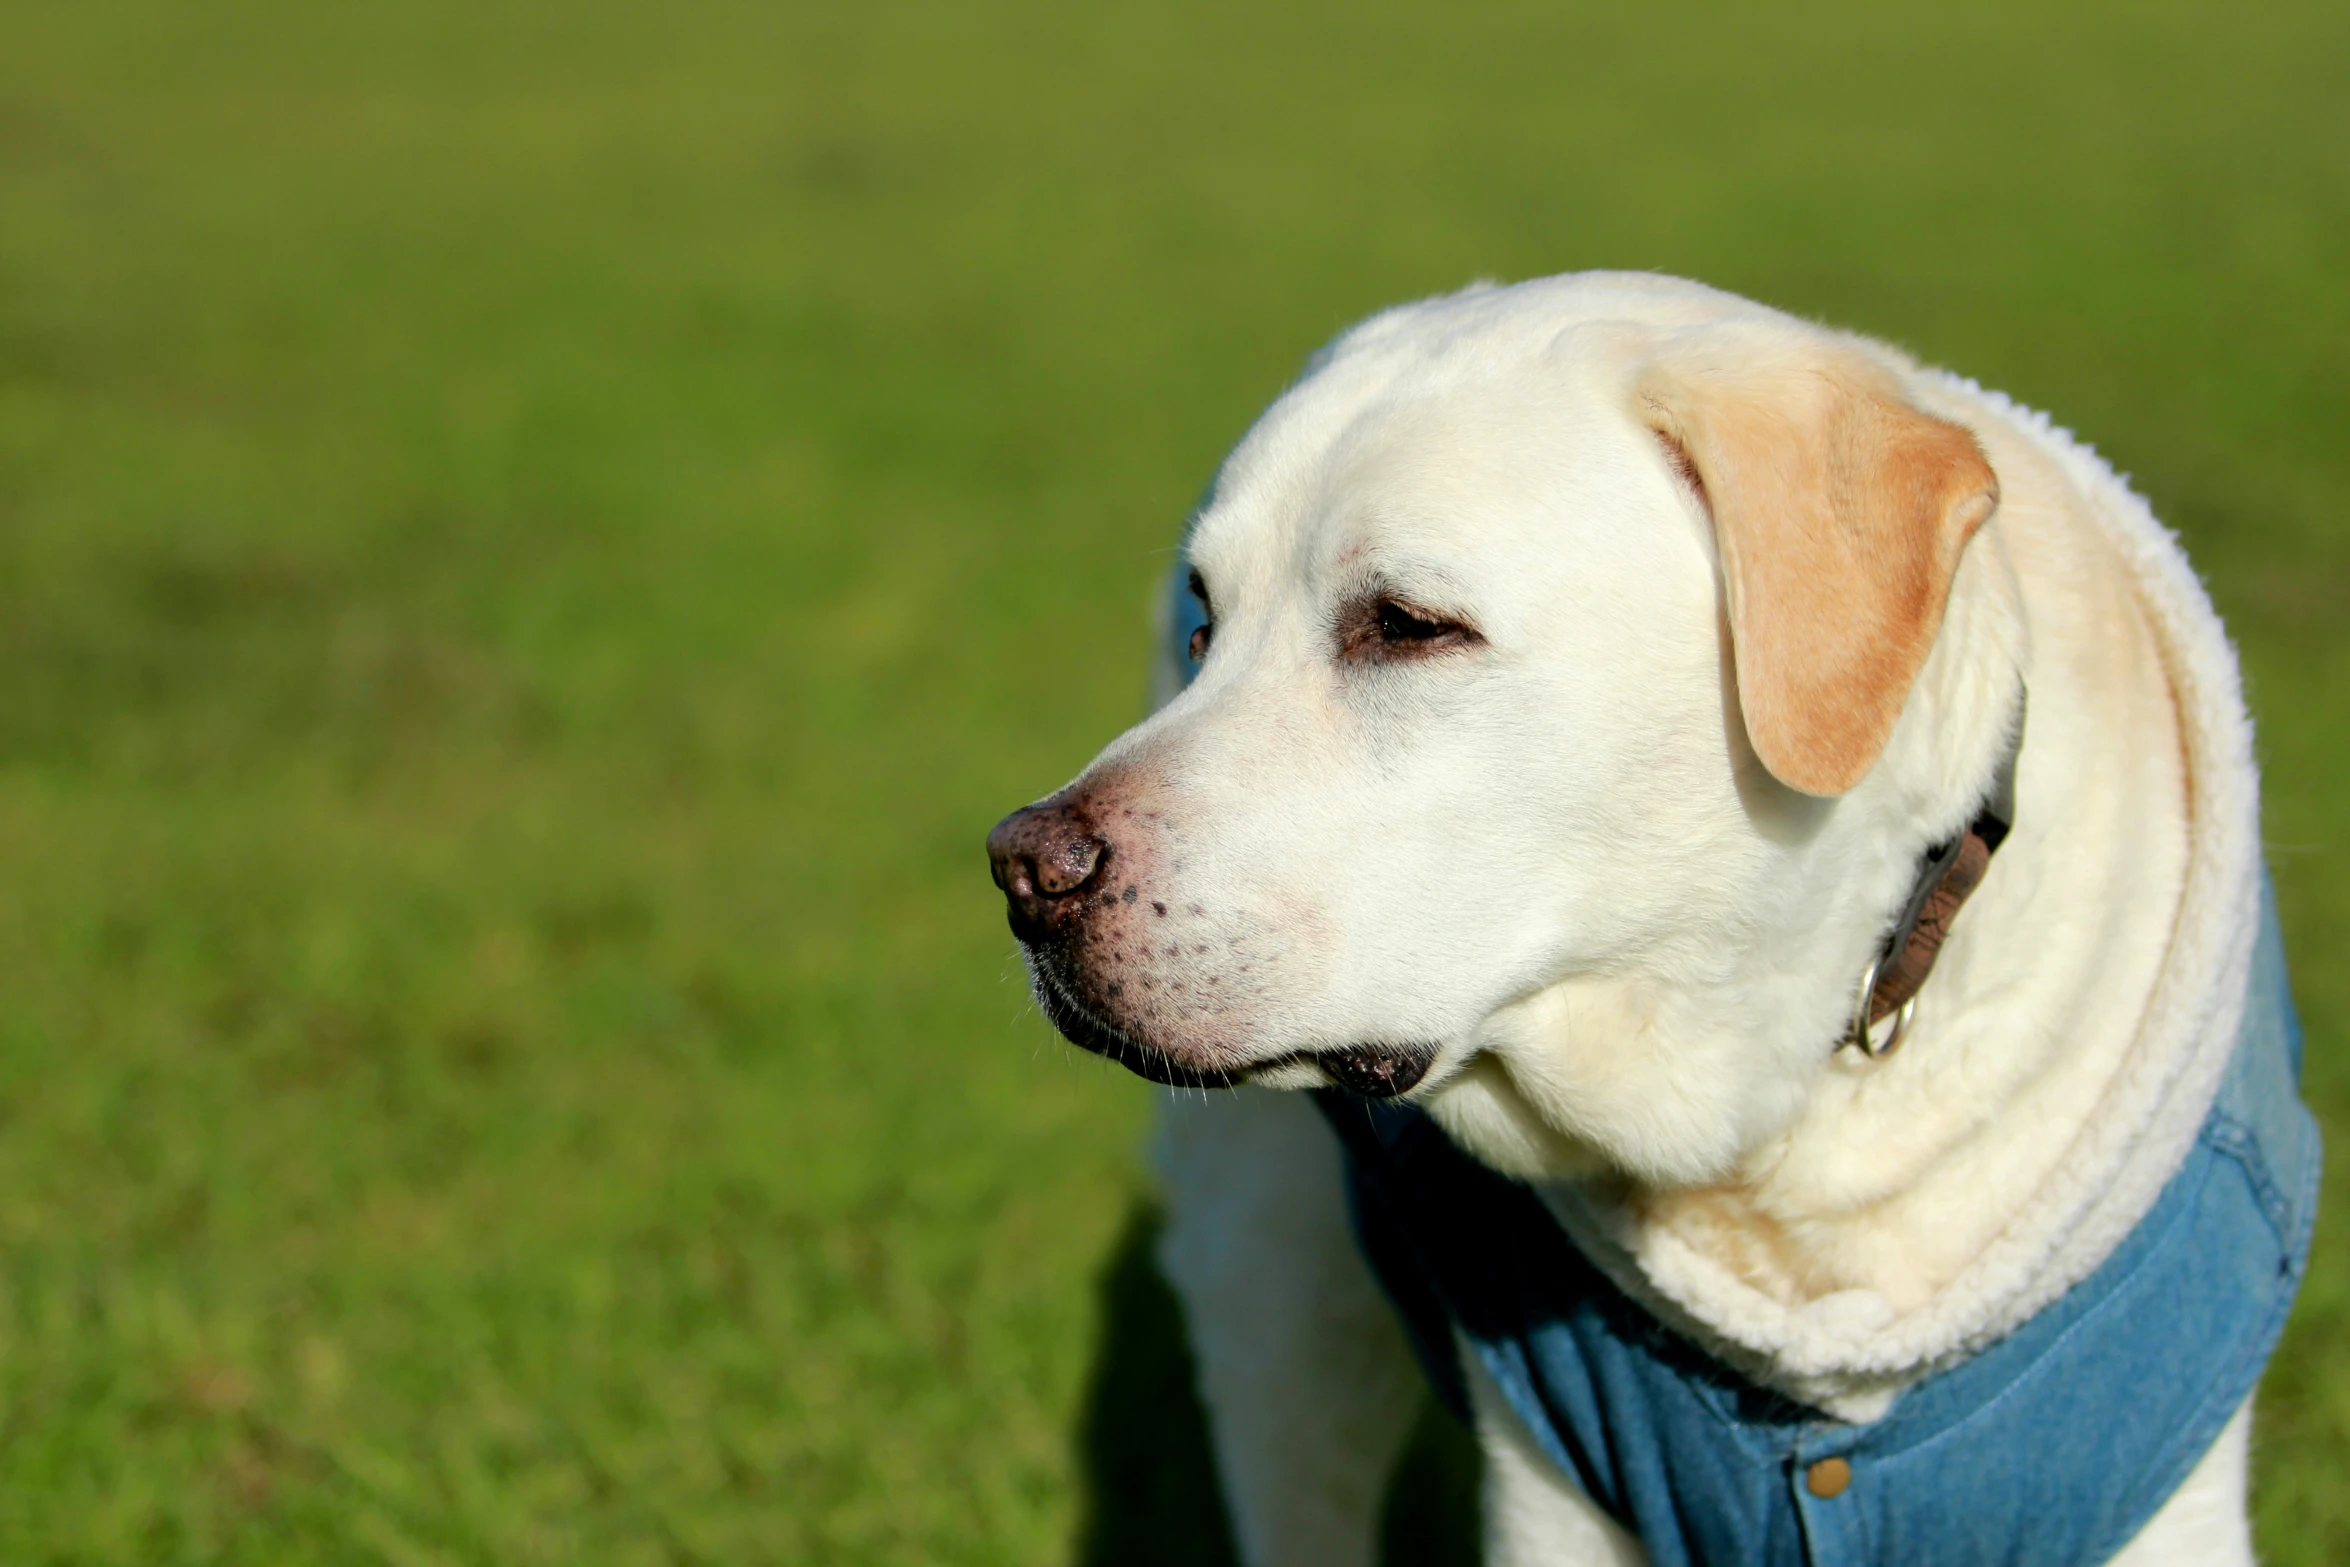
{"x": 1840, "y": 513}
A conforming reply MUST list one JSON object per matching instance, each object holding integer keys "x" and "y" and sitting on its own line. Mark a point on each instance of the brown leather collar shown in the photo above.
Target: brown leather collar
{"x": 1946, "y": 880}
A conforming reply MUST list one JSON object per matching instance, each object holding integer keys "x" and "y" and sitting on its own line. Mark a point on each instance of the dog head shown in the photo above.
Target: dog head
{"x": 1570, "y": 700}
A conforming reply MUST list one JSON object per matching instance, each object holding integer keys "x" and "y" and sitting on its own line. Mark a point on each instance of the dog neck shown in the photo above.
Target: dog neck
{"x": 1898, "y": 1173}
{"x": 1948, "y": 877}
{"x": 1887, "y": 1181}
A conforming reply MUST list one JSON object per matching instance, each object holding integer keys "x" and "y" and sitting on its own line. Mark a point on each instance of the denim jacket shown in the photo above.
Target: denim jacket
{"x": 2053, "y": 1446}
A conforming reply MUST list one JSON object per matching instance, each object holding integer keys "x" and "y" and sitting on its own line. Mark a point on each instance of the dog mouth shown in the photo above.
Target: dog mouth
{"x": 1372, "y": 1071}
{"x": 1078, "y": 1024}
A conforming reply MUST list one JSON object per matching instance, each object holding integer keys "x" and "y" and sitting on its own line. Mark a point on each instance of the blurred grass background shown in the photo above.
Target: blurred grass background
{"x": 534, "y": 541}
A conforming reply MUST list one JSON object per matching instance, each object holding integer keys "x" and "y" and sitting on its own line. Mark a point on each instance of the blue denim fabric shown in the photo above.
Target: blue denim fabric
{"x": 2053, "y": 1446}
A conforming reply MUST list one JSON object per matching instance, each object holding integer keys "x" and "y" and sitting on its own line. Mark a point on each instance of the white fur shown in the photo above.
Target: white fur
{"x": 1555, "y": 859}
{"x": 1533, "y": 1514}
{"x": 1309, "y": 1342}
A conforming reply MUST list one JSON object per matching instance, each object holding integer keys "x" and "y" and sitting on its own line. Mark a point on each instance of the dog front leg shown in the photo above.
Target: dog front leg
{"x": 1534, "y": 1515}
{"x": 1309, "y": 1385}
{"x": 2205, "y": 1523}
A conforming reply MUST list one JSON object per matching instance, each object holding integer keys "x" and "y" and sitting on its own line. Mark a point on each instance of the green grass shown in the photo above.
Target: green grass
{"x": 535, "y": 540}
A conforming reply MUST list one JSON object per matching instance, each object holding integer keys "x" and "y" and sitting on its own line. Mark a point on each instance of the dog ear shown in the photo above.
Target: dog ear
{"x": 1839, "y": 514}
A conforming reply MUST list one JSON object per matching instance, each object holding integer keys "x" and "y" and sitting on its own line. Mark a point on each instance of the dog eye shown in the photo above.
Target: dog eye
{"x": 1398, "y": 624}
{"x": 1201, "y": 636}
{"x": 1384, "y": 629}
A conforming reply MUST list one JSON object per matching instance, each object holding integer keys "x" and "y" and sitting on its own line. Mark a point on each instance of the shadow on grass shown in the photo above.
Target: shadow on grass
{"x": 1151, "y": 1492}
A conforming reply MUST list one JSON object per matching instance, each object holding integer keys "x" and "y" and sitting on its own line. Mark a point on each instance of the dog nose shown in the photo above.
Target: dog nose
{"x": 1044, "y": 857}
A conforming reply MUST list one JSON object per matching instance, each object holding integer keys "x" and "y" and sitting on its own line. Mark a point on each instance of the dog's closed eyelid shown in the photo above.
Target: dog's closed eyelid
{"x": 1384, "y": 627}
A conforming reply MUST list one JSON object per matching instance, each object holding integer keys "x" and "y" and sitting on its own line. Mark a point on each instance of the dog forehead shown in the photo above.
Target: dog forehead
{"x": 1465, "y": 470}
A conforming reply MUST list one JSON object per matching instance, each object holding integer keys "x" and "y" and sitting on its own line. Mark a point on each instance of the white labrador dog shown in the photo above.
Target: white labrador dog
{"x": 1584, "y": 672}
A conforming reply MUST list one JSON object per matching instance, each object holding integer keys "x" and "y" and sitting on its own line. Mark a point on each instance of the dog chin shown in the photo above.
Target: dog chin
{"x": 1373, "y": 1071}
{"x": 1088, "y": 1030}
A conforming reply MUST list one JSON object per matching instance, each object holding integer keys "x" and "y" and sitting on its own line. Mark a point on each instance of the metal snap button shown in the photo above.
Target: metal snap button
{"x": 1827, "y": 1478}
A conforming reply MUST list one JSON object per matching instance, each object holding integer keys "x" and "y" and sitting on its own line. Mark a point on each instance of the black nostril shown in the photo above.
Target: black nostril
{"x": 1042, "y": 857}
{"x": 1067, "y": 865}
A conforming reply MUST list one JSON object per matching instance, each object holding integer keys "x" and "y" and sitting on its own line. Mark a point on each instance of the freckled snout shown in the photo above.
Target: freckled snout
{"x": 1046, "y": 857}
